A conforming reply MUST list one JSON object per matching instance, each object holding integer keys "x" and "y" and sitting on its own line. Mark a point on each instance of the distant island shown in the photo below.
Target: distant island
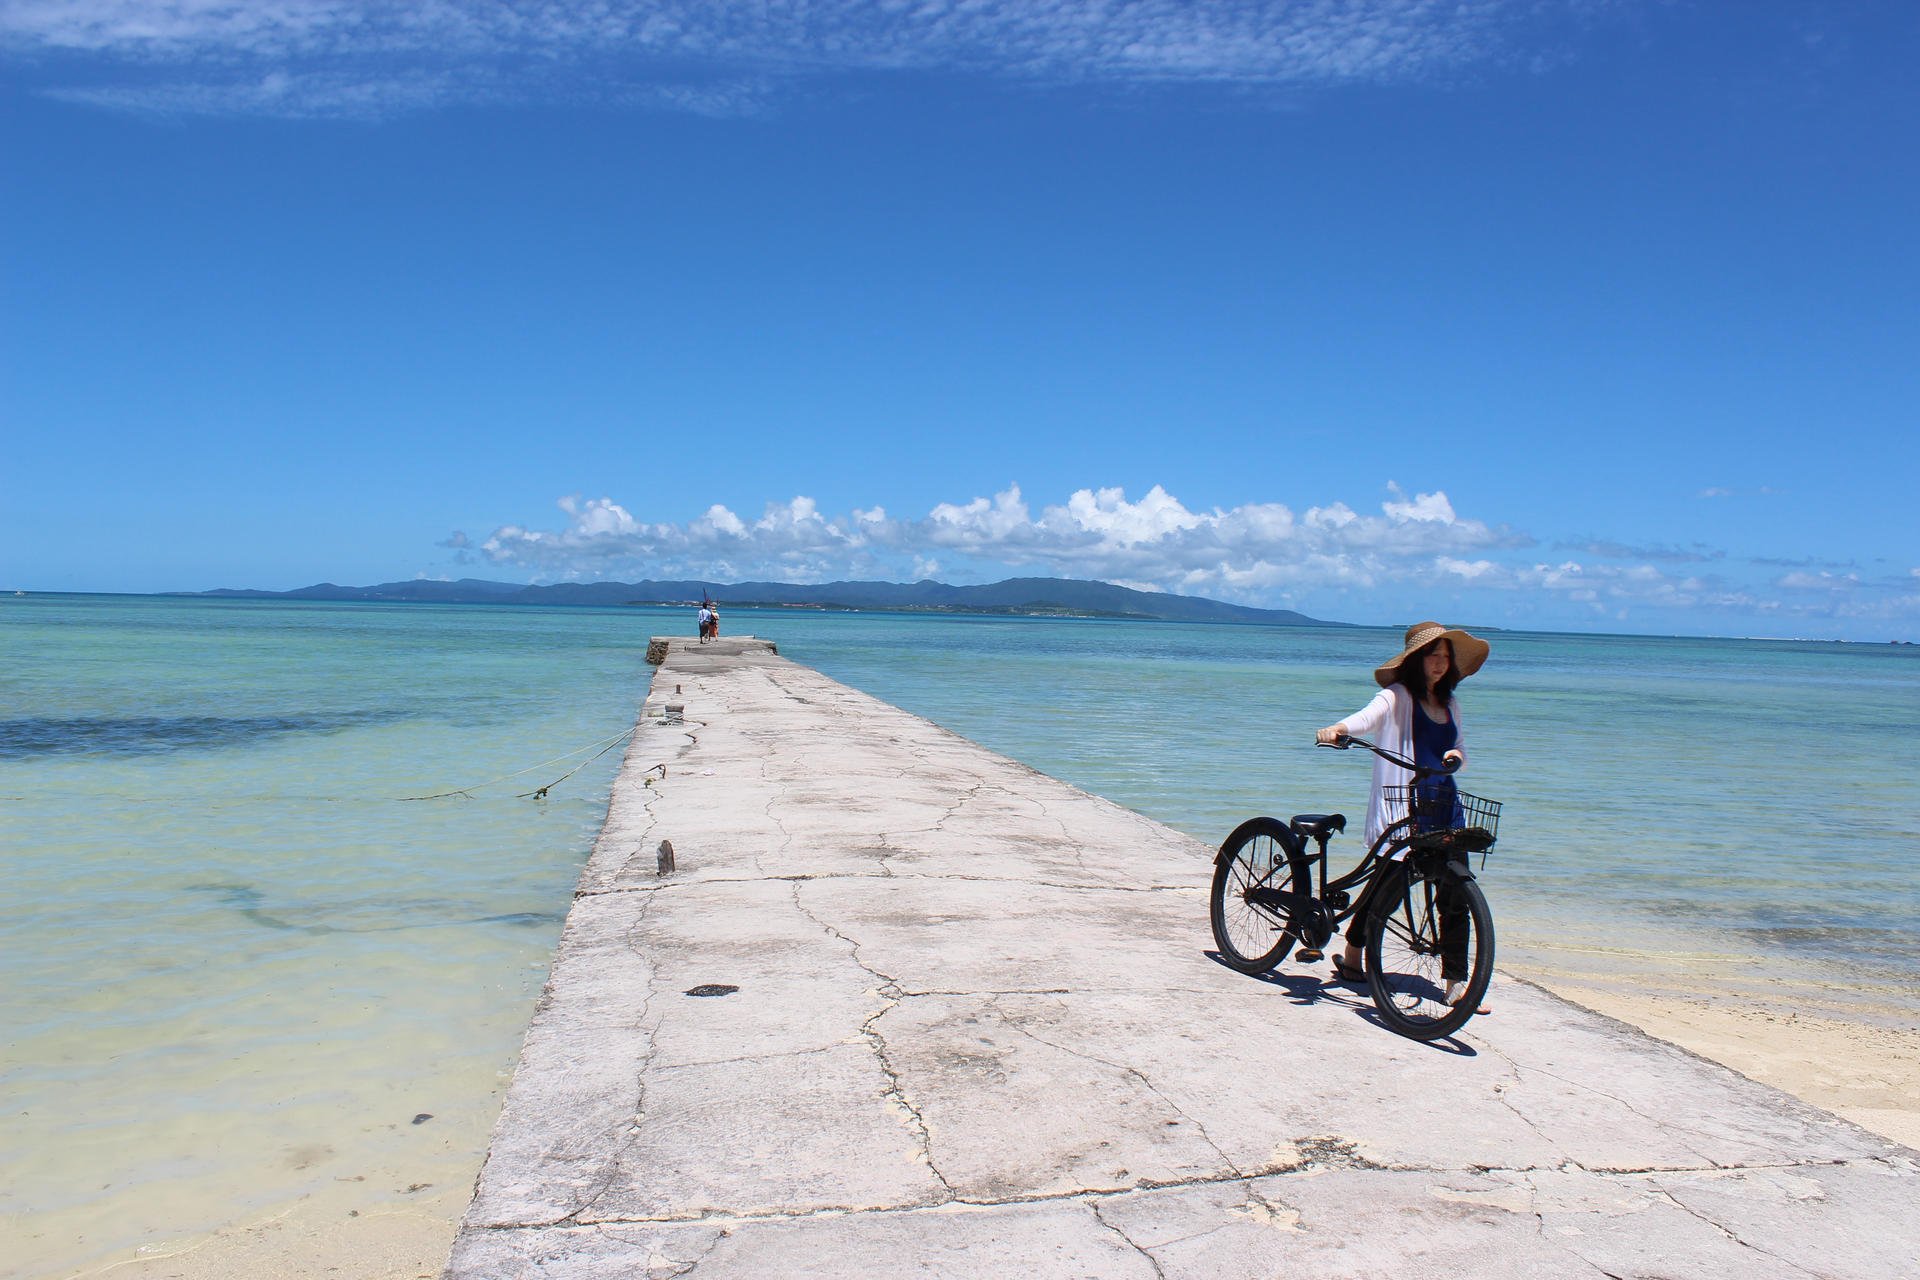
{"x": 1032, "y": 597}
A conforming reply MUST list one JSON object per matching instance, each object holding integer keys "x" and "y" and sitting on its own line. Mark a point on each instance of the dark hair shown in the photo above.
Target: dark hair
{"x": 1413, "y": 673}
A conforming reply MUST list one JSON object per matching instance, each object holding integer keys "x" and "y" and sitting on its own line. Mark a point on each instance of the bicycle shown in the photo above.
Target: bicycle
{"x": 1428, "y": 923}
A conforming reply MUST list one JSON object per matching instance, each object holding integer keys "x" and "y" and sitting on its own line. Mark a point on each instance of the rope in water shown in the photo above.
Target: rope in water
{"x": 539, "y": 793}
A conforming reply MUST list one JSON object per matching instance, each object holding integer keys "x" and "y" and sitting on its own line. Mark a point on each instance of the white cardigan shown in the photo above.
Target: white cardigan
{"x": 1388, "y": 722}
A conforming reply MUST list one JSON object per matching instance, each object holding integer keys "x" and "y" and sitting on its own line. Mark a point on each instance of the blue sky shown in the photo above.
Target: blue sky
{"x": 1597, "y": 316}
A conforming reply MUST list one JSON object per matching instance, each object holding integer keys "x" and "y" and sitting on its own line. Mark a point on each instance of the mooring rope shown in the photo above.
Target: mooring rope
{"x": 605, "y": 745}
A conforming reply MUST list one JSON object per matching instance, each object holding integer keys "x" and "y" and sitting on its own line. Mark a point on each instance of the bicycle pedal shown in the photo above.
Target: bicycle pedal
{"x": 1309, "y": 955}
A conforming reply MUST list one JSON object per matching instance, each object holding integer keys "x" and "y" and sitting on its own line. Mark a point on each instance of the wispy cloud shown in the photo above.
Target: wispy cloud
{"x": 374, "y": 56}
{"x": 1611, "y": 550}
{"x": 1824, "y": 582}
{"x": 1800, "y": 562}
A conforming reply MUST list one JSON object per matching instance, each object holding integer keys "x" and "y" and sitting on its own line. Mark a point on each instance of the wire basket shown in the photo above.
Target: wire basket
{"x": 1444, "y": 817}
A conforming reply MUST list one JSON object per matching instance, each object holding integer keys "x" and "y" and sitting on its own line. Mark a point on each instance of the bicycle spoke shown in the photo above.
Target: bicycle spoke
{"x": 1437, "y": 934}
{"x": 1251, "y": 937}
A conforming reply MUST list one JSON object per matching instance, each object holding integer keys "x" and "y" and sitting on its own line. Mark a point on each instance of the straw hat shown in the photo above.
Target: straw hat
{"x": 1468, "y": 651}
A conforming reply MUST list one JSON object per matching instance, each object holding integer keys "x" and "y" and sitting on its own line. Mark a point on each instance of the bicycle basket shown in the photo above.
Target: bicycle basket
{"x": 1444, "y": 817}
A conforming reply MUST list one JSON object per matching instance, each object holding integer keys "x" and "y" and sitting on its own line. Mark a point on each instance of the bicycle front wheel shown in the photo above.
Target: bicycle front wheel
{"x": 1425, "y": 935}
{"x": 1253, "y": 938}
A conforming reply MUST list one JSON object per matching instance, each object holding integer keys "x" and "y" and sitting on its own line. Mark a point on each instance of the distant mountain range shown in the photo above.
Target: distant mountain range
{"x": 1045, "y": 597}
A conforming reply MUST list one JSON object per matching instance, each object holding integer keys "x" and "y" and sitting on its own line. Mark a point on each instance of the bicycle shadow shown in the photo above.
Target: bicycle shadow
{"x": 1311, "y": 989}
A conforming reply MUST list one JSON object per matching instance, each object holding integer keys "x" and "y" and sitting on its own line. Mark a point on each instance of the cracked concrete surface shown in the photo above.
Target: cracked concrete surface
{"x": 978, "y": 1032}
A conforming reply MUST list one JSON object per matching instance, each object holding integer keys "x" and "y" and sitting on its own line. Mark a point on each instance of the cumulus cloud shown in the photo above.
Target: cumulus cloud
{"x": 1156, "y": 539}
{"x": 1410, "y": 546}
{"x": 374, "y": 55}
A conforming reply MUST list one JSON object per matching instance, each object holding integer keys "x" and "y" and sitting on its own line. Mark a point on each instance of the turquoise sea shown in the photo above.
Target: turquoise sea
{"x": 239, "y": 965}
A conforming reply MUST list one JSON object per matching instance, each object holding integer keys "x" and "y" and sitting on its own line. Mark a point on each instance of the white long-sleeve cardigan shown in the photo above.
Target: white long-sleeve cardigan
{"x": 1388, "y": 722}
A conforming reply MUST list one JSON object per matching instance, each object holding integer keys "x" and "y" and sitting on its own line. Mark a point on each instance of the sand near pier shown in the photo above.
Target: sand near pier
{"x": 1860, "y": 1061}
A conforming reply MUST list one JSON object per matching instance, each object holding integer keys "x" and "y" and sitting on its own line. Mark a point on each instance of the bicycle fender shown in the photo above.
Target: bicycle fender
{"x": 1460, "y": 868}
{"x": 1291, "y": 841}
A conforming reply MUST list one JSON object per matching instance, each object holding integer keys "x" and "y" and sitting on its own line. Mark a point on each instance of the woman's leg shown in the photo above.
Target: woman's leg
{"x": 1455, "y": 933}
{"x": 1387, "y": 878}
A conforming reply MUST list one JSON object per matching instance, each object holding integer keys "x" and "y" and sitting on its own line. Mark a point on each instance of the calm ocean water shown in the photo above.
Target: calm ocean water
{"x": 237, "y": 965}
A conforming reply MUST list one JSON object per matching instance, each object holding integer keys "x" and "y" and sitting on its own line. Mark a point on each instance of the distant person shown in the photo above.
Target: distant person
{"x": 706, "y": 623}
{"x": 713, "y": 622}
{"x": 1414, "y": 715}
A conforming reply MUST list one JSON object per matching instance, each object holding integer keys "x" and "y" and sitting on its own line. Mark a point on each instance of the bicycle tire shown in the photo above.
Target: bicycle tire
{"x": 1251, "y": 938}
{"x": 1405, "y": 964}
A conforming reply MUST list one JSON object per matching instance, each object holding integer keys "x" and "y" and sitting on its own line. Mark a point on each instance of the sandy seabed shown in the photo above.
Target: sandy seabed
{"x": 316, "y": 1236}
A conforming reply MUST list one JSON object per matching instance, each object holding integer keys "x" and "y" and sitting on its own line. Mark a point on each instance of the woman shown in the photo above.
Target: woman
{"x": 1414, "y": 715}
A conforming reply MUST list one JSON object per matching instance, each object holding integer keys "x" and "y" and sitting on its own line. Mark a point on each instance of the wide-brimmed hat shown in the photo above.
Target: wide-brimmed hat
{"x": 1469, "y": 651}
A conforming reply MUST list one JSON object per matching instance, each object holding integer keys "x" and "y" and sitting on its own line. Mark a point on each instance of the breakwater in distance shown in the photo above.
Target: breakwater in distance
{"x": 241, "y": 966}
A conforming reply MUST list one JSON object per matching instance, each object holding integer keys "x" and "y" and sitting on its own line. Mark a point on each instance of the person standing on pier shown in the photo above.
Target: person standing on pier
{"x": 1415, "y": 715}
{"x": 706, "y": 622}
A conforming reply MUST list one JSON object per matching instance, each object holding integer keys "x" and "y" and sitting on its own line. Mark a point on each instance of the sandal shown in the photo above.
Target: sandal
{"x": 1344, "y": 972}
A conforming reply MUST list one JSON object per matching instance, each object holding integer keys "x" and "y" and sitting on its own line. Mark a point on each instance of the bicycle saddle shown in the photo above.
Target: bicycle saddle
{"x": 1318, "y": 826}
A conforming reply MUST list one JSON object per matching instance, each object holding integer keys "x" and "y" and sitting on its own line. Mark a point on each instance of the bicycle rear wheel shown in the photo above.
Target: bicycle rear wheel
{"x": 1425, "y": 933}
{"x": 1254, "y": 938}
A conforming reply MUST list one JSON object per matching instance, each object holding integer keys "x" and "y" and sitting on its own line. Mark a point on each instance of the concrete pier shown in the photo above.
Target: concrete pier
{"x": 908, "y": 1007}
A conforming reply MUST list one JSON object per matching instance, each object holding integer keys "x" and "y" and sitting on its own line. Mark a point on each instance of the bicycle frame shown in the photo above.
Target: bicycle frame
{"x": 1323, "y": 911}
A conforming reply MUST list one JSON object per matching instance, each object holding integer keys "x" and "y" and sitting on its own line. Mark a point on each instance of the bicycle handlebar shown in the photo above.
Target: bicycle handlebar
{"x": 1418, "y": 771}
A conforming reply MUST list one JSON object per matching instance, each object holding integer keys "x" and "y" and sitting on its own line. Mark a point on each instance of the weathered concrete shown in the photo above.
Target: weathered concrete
{"x": 978, "y": 1033}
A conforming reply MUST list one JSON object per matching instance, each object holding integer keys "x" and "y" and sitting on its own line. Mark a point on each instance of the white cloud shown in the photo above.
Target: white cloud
{"x": 1431, "y": 507}
{"x": 1109, "y": 514}
{"x": 340, "y": 56}
{"x": 979, "y": 523}
{"x": 598, "y": 517}
{"x": 1414, "y": 546}
{"x": 1095, "y": 533}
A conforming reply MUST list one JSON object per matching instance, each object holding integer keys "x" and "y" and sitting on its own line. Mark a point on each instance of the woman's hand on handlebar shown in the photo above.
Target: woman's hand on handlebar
{"x": 1334, "y": 735}
{"x": 1453, "y": 760}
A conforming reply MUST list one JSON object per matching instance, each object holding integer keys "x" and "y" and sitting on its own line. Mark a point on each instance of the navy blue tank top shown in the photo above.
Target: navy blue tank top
{"x": 1431, "y": 740}
{"x": 1434, "y": 804}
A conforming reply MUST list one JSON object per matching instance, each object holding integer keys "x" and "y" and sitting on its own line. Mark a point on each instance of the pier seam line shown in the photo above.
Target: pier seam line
{"x": 1656, "y": 1121}
{"x": 892, "y": 875}
{"x": 1296, "y": 1169}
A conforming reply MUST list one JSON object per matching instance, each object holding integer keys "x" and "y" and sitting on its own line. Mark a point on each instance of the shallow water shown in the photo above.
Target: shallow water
{"x": 237, "y": 965}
